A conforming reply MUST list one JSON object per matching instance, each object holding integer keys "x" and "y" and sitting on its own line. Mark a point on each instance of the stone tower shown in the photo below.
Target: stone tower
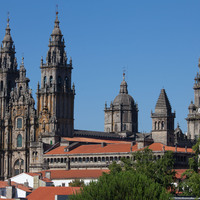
{"x": 163, "y": 121}
{"x": 8, "y": 75}
{"x": 17, "y": 113}
{"x": 8, "y": 70}
{"x": 20, "y": 124}
{"x": 122, "y": 115}
{"x": 193, "y": 118}
{"x": 55, "y": 97}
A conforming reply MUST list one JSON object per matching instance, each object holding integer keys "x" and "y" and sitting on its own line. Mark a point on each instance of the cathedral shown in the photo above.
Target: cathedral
{"x": 29, "y": 134}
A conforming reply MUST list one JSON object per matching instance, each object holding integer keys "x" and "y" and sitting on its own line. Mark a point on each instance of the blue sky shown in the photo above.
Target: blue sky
{"x": 156, "y": 42}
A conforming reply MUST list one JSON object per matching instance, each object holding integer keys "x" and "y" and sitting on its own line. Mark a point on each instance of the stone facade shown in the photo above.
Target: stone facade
{"x": 25, "y": 133}
{"x": 163, "y": 121}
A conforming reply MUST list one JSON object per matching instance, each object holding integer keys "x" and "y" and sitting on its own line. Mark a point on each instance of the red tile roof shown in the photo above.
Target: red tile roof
{"x": 4, "y": 184}
{"x": 46, "y": 180}
{"x": 179, "y": 172}
{"x": 75, "y": 174}
{"x": 159, "y": 147}
{"x": 113, "y": 148}
{"x": 48, "y": 193}
{"x": 31, "y": 173}
{"x": 92, "y": 140}
{"x": 96, "y": 148}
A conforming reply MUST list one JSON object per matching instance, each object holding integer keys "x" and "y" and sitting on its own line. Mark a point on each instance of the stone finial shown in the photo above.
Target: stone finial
{"x": 199, "y": 63}
{"x": 41, "y": 61}
{"x": 123, "y": 76}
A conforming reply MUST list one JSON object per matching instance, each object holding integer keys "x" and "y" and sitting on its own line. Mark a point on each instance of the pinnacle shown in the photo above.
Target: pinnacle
{"x": 163, "y": 102}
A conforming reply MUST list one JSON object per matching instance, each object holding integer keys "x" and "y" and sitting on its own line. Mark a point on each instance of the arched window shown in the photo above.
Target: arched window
{"x": 155, "y": 126}
{"x": 44, "y": 81}
{"x": 66, "y": 82}
{"x": 18, "y": 166}
{"x": 59, "y": 80}
{"x": 163, "y": 125}
{"x": 19, "y": 140}
{"x": 51, "y": 80}
{"x": 1, "y": 85}
{"x": 124, "y": 127}
{"x": 19, "y": 122}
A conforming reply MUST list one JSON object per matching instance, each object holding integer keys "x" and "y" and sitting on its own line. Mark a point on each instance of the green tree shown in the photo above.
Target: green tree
{"x": 77, "y": 183}
{"x": 191, "y": 184}
{"x": 126, "y": 185}
{"x": 160, "y": 170}
{"x": 191, "y": 178}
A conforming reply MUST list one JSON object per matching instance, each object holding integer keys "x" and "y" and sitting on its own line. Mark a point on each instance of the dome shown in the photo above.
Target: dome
{"x": 124, "y": 99}
{"x": 56, "y": 31}
{"x": 192, "y": 106}
{"x": 7, "y": 38}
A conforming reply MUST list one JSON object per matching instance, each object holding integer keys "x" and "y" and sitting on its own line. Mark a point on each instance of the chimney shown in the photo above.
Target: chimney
{"x": 103, "y": 144}
{"x": 48, "y": 174}
{"x": 9, "y": 182}
{"x": 164, "y": 148}
{"x": 26, "y": 183}
{"x": 185, "y": 148}
{"x": 176, "y": 148}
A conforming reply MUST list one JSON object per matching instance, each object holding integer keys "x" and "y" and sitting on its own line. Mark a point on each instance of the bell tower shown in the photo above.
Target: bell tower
{"x": 55, "y": 96}
{"x": 8, "y": 69}
{"x": 163, "y": 121}
{"x": 193, "y": 118}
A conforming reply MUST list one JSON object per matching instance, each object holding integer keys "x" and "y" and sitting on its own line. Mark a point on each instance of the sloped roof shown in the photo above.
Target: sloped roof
{"x": 4, "y": 184}
{"x": 163, "y": 103}
{"x": 75, "y": 174}
{"x": 159, "y": 147}
{"x": 48, "y": 193}
{"x": 96, "y": 148}
{"x": 92, "y": 140}
{"x": 179, "y": 173}
{"x": 114, "y": 148}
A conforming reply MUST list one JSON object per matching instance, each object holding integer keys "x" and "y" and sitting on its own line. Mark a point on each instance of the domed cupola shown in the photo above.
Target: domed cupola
{"x": 122, "y": 115}
{"x": 191, "y": 107}
{"x": 123, "y": 98}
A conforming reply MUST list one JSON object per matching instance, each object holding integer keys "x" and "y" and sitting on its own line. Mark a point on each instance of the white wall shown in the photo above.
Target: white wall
{"x": 20, "y": 193}
{"x": 58, "y": 182}
{"x": 21, "y": 178}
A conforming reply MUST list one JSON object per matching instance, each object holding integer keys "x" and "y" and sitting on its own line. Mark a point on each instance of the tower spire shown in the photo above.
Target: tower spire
{"x": 123, "y": 86}
{"x": 7, "y": 52}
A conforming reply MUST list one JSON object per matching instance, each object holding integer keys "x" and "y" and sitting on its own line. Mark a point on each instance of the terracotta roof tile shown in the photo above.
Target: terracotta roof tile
{"x": 46, "y": 180}
{"x": 159, "y": 147}
{"x": 92, "y": 140}
{"x": 32, "y": 174}
{"x": 4, "y": 184}
{"x": 96, "y": 148}
{"x": 48, "y": 193}
{"x": 113, "y": 148}
{"x": 75, "y": 174}
{"x": 179, "y": 172}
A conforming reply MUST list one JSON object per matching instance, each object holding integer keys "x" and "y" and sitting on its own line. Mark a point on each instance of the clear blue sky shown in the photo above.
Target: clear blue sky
{"x": 157, "y": 42}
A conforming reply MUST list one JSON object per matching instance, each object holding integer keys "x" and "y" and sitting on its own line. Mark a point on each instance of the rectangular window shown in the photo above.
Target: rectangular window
{"x": 19, "y": 122}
